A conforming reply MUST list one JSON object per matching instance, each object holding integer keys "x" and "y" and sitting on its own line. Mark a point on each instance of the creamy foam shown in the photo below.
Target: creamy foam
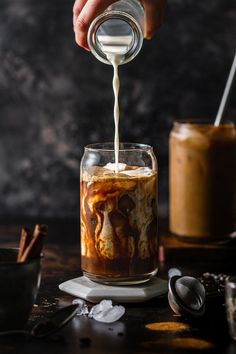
{"x": 112, "y": 166}
{"x": 133, "y": 171}
{"x": 99, "y": 174}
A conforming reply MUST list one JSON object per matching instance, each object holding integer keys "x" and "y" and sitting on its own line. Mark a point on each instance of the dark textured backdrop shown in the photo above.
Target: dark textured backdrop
{"x": 55, "y": 98}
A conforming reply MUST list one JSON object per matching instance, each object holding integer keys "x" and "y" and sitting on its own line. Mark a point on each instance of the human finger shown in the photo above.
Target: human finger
{"x": 154, "y": 12}
{"x": 91, "y": 9}
{"x": 77, "y": 8}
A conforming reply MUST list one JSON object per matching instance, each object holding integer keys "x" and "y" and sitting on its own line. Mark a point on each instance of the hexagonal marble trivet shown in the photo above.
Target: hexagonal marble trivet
{"x": 85, "y": 288}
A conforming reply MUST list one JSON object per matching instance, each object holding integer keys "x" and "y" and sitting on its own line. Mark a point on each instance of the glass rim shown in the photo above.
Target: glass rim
{"x": 231, "y": 281}
{"x": 201, "y": 122}
{"x": 109, "y": 147}
{"x": 118, "y": 14}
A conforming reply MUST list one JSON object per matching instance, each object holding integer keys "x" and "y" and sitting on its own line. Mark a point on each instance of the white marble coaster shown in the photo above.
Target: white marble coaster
{"x": 84, "y": 288}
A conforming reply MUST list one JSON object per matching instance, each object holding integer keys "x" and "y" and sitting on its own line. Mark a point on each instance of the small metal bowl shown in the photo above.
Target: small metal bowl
{"x": 19, "y": 287}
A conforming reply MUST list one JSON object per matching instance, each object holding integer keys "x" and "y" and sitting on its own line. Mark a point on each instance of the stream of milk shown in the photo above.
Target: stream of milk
{"x": 116, "y": 60}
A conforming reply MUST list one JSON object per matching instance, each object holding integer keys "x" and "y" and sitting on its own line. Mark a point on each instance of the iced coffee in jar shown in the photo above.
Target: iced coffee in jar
{"x": 119, "y": 214}
{"x": 202, "y": 180}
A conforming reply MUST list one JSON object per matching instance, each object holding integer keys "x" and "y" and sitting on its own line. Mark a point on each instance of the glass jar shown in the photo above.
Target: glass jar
{"x": 230, "y": 303}
{"x": 118, "y": 213}
{"x": 119, "y": 30}
{"x": 202, "y": 180}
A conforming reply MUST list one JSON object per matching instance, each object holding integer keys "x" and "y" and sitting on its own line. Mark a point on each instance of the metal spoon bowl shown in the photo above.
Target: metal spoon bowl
{"x": 187, "y": 296}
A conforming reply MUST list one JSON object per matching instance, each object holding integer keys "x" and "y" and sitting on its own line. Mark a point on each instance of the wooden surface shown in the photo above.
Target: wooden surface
{"x": 172, "y": 246}
{"x": 142, "y": 329}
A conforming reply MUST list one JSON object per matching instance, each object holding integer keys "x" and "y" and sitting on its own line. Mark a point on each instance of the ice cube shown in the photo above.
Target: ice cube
{"x": 111, "y": 315}
{"x": 106, "y": 312}
{"x": 82, "y": 307}
{"x": 102, "y": 306}
{"x": 139, "y": 172}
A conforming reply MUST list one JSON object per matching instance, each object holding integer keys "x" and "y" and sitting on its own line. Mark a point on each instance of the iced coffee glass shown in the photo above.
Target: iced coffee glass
{"x": 118, "y": 214}
{"x": 202, "y": 180}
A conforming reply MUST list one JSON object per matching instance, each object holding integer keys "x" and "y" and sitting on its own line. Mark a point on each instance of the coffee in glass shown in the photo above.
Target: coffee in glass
{"x": 119, "y": 214}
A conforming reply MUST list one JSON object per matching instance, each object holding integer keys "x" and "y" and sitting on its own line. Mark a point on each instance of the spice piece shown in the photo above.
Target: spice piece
{"x": 85, "y": 342}
{"x": 25, "y": 239}
{"x": 35, "y": 246}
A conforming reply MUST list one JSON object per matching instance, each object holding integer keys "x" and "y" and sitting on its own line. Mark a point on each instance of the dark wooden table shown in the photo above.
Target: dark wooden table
{"x": 132, "y": 334}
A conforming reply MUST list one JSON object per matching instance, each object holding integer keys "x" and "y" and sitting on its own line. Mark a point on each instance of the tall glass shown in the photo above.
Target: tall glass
{"x": 119, "y": 214}
{"x": 202, "y": 180}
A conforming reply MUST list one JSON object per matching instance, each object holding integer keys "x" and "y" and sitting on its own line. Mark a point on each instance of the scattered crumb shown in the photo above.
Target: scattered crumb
{"x": 85, "y": 342}
{"x": 120, "y": 334}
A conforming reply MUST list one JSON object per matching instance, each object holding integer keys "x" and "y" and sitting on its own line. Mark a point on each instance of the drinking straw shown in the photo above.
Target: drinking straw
{"x": 226, "y": 94}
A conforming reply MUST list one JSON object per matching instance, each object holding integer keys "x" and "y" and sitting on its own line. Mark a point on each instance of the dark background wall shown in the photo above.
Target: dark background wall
{"x": 55, "y": 98}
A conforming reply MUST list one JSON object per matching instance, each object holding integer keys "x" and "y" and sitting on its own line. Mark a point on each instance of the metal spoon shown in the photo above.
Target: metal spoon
{"x": 48, "y": 326}
{"x": 186, "y": 296}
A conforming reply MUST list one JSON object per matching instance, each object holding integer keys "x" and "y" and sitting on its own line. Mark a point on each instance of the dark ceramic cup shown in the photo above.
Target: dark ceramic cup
{"x": 19, "y": 287}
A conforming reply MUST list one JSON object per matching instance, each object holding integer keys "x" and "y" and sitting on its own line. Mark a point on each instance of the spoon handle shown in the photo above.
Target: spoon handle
{"x": 174, "y": 272}
{"x": 16, "y": 332}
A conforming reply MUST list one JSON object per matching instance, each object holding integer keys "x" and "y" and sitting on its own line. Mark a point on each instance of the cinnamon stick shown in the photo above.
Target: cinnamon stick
{"x": 35, "y": 246}
{"x": 25, "y": 239}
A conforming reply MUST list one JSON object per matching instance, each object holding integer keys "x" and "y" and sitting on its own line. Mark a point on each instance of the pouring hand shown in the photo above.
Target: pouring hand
{"x": 84, "y": 12}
